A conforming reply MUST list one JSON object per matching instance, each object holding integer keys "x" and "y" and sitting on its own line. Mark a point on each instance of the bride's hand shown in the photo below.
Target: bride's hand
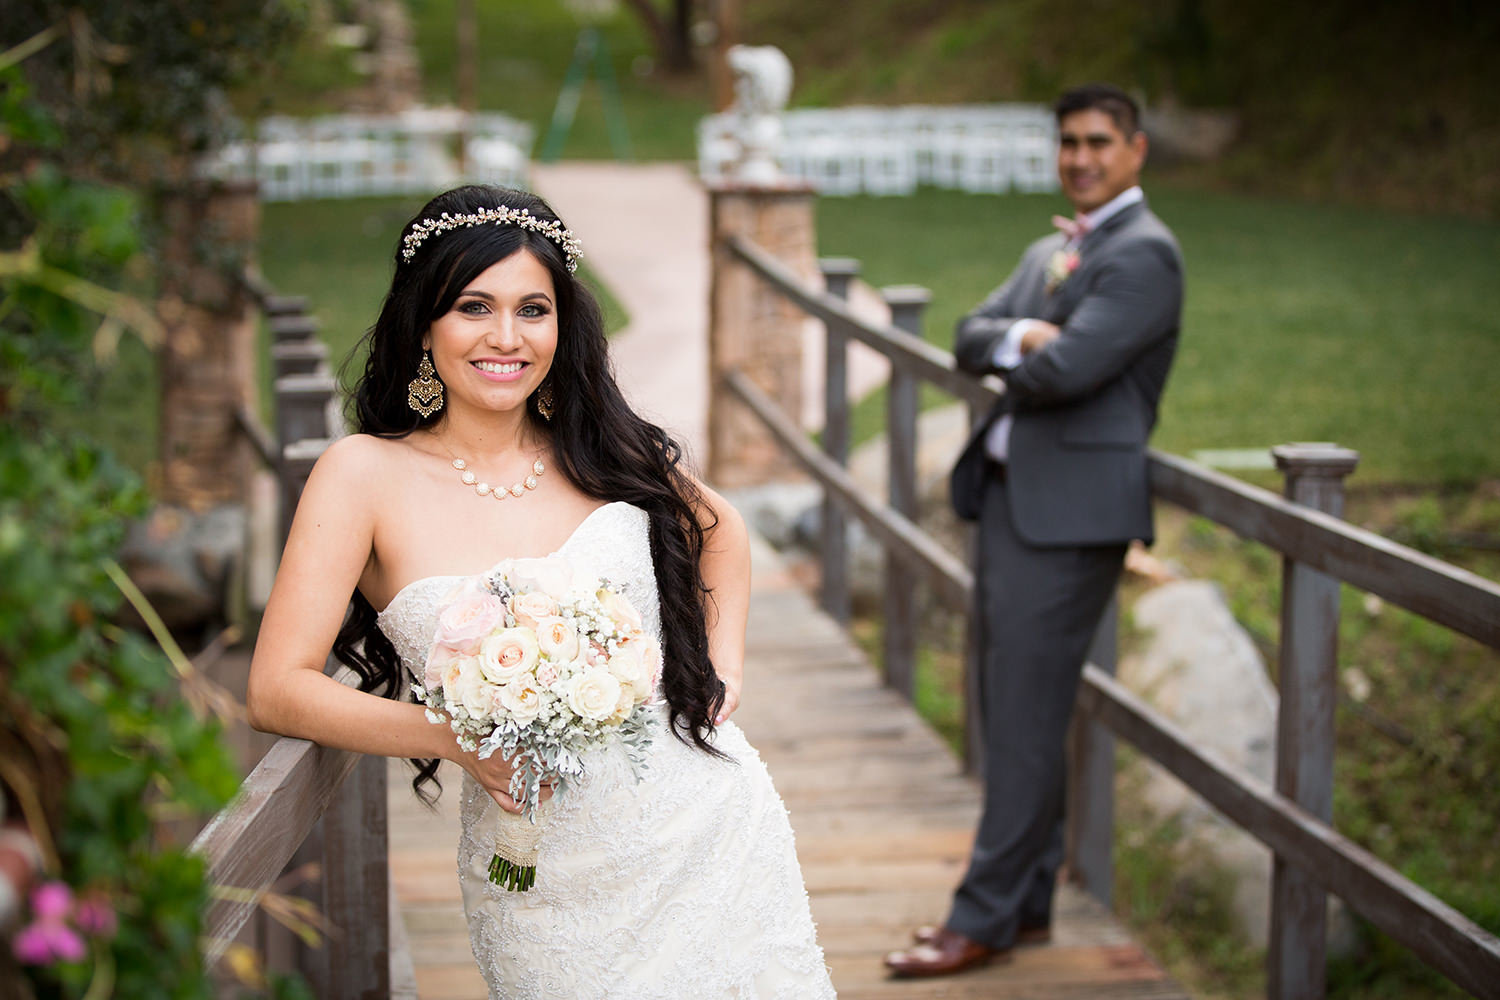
{"x": 731, "y": 700}
{"x": 493, "y": 775}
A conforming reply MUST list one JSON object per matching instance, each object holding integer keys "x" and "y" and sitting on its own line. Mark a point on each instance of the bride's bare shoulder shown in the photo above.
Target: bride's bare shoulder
{"x": 358, "y": 460}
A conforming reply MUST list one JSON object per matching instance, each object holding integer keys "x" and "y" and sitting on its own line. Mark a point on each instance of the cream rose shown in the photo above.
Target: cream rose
{"x": 594, "y": 694}
{"x": 627, "y": 667}
{"x": 624, "y": 706}
{"x": 521, "y": 698}
{"x": 557, "y": 638}
{"x": 508, "y": 654}
{"x": 463, "y": 685}
{"x": 532, "y": 607}
{"x": 626, "y": 617}
{"x": 546, "y": 675}
{"x": 468, "y": 619}
{"x": 651, "y": 664}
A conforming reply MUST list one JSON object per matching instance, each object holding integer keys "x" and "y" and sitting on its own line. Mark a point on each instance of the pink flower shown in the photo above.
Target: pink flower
{"x": 52, "y": 901}
{"x": 438, "y": 658}
{"x": 469, "y": 619}
{"x": 49, "y": 938}
{"x": 95, "y": 917}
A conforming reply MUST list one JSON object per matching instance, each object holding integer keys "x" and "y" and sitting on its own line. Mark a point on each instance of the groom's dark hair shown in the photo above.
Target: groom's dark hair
{"x": 1105, "y": 97}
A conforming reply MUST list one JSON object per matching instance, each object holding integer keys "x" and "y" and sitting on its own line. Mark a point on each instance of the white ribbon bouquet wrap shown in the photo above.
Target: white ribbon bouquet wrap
{"x": 533, "y": 663}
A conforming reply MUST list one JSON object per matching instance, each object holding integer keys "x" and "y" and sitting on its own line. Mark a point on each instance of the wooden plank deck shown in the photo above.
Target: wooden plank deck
{"x": 883, "y": 817}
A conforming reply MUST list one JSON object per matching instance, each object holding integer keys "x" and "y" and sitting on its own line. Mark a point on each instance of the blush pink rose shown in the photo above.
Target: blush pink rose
{"x": 469, "y": 619}
{"x": 438, "y": 658}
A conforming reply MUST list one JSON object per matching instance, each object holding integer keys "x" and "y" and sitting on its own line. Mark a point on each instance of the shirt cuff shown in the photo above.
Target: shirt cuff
{"x": 1008, "y": 352}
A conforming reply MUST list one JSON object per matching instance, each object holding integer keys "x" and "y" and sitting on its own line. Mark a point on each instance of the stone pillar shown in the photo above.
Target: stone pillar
{"x": 752, "y": 328}
{"x": 206, "y": 359}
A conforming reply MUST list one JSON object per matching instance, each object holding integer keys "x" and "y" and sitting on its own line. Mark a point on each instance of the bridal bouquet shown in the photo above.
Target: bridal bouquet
{"x": 541, "y": 667}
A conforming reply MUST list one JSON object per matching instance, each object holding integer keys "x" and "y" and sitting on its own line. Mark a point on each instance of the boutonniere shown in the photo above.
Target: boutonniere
{"x": 1060, "y": 267}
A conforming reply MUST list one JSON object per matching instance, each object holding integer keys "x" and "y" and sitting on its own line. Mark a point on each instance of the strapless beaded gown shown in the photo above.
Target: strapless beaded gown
{"x": 684, "y": 885}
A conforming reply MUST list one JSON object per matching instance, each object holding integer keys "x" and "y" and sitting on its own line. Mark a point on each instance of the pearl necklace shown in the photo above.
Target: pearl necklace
{"x": 500, "y": 492}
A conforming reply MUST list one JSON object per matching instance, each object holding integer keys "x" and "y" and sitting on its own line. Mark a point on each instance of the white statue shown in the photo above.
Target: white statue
{"x": 762, "y": 84}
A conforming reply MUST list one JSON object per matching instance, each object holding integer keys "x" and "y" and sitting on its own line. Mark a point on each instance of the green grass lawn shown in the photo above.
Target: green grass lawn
{"x": 524, "y": 51}
{"x": 1378, "y": 330}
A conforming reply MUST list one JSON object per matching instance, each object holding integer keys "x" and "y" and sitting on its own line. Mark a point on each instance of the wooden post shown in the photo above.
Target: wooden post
{"x": 207, "y": 352}
{"x": 298, "y": 357}
{"x": 292, "y": 327}
{"x": 752, "y": 329}
{"x": 906, "y": 303}
{"x": 284, "y": 305}
{"x": 1305, "y": 723}
{"x": 1091, "y": 779}
{"x": 838, "y": 273}
{"x": 302, "y": 403}
{"x": 305, "y": 412}
{"x": 356, "y": 887}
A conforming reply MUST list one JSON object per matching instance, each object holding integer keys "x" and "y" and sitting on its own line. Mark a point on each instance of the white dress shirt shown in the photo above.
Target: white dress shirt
{"x": 1008, "y": 351}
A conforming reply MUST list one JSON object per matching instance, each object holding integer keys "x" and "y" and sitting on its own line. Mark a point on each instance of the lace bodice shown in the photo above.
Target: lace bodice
{"x": 613, "y": 543}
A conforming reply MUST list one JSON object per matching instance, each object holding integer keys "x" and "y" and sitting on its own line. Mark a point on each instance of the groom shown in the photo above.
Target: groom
{"x": 1082, "y": 333}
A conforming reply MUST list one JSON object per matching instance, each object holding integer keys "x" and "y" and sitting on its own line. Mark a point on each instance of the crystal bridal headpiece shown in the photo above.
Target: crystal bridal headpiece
{"x": 518, "y": 217}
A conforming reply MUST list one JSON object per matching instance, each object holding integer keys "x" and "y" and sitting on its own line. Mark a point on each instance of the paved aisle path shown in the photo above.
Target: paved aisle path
{"x": 644, "y": 229}
{"x": 883, "y": 820}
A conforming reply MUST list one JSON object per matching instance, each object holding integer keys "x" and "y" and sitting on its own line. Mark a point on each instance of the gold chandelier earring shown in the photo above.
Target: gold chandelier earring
{"x": 544, "y": 401}
{"x": 424, "y": 393}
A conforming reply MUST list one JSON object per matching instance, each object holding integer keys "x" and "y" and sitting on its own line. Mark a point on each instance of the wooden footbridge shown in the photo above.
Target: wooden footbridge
{"x": 883, "y": 813}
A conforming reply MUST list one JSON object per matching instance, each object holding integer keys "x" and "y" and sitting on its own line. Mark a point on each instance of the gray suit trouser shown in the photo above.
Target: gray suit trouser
{"x": 1038, "y": 608}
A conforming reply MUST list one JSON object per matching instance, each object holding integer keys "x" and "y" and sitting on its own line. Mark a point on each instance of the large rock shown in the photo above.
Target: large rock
{"x": 1201, "y": 670}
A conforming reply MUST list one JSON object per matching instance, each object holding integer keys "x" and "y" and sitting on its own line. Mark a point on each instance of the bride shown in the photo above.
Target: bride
{"x": 490, "y": 427}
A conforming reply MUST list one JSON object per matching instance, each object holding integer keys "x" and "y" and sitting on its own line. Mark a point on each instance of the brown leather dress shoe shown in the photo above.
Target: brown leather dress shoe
{"x": 1040, "y": 934}
{"x": 945, "y": 953}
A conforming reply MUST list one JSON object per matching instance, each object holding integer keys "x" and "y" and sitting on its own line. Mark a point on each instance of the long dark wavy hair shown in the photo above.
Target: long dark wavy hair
{"x": 598, "y": 442}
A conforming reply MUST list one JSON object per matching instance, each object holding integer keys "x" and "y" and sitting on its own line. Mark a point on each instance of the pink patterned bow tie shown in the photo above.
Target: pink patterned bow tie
{"x": 1074, "y": 229}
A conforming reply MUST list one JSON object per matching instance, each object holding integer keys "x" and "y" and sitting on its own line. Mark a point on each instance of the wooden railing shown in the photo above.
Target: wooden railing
{"x": 303, "y": 804}
{"x": 1319, "y": 551}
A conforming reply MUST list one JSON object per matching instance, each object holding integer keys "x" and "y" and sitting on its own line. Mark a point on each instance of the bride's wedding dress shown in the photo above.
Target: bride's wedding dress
{"x": 684, "y": 885}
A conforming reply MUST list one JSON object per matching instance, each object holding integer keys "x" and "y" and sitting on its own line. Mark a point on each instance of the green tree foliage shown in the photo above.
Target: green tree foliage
{"x": 139, "y": 87}
{"x": 106, "y": 738}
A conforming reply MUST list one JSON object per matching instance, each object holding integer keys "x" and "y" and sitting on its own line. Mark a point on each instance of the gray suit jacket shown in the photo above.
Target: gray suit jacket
{"x": 1084, "y": 405}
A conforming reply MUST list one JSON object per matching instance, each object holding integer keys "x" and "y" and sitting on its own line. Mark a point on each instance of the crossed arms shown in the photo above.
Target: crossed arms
{"x": 1132, "y": 303}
